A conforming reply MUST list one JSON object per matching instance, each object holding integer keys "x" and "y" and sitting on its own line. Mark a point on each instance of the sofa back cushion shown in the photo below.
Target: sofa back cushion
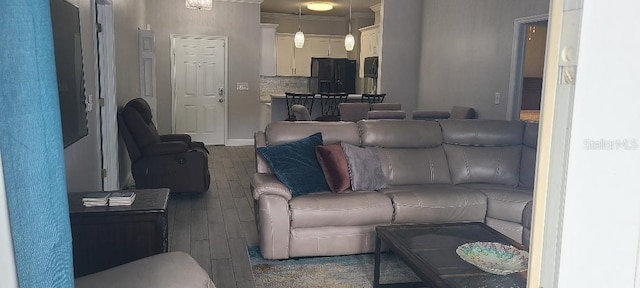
{"x": 529, "y": 150}
{"x": 483, "y": 151}
{"x": 407, "y": 166}
{"x": 400, "y": 134}
{"x": 410, "y": 151}
{"x": 332, "y": 132}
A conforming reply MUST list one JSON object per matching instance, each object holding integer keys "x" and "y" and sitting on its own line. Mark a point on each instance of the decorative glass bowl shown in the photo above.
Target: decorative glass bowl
{"x": 494, "y": 258}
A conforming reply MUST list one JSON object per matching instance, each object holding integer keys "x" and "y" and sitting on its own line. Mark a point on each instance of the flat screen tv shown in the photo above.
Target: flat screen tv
{"x": 65, "y": 21}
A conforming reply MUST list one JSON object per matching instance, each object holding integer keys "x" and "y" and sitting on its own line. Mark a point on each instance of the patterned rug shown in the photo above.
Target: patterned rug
{"x": 335, "y": 271}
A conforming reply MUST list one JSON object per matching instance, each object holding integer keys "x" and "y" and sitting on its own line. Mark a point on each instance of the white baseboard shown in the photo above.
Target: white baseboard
{"x": 239, "y": 142}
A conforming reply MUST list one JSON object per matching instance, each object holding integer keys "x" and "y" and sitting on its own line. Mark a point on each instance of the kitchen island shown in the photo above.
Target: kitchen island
{"x": 279, "y": 106}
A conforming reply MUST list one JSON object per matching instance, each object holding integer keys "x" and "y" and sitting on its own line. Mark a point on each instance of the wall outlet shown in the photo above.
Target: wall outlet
{"x": 496, "y": 100}
{"x": 242, "y": 86}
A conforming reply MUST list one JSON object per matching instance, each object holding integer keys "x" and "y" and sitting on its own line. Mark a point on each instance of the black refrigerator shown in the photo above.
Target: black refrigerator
{"x": 332, "y": 75}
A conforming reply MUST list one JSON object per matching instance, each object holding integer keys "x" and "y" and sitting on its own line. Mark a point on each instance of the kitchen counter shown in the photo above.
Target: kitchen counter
{"x": 279, "y": 106}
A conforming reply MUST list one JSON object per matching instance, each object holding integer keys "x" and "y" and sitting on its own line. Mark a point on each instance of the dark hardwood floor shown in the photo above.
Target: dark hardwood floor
{"x": 217, "y": 226}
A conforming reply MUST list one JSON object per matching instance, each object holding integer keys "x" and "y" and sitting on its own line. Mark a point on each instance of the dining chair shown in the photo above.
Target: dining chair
{"x": 304, "y": 99}
{"x": 329, "y": 106}
{"x": 372, "y": 98}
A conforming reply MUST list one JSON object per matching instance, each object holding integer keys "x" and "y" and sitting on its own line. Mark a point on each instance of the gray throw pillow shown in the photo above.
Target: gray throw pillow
{"x": 365, "y": 169}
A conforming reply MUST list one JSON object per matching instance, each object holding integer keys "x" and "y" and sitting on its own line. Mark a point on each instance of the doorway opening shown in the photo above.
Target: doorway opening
{"x": 527, "y": 68}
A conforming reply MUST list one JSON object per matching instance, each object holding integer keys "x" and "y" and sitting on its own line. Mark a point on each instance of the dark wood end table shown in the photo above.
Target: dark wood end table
{"x": 105, "y": 237}
{"x": 430, "y": 251}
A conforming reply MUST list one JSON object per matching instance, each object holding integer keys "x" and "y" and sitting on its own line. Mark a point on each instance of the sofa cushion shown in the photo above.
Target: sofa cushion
{"x": 506, "y": 204}
{"x": 529, "y": 150}
{"x": 334, "y": 166}
{"x": 510, "y": 229}
{"x": 494, "y": 165}
{"x": 482, "y": 132}
{"x": 165, "y": 270}
{"x": 400, "y": 134}
{"x": 332, "y": 132}
{"x": 344, "y": 209}
{"x": 365, "y": 169}
{"x": 407, "y": 166}
{"x": 296, "y": 166}
{"x": 436, "y": 203}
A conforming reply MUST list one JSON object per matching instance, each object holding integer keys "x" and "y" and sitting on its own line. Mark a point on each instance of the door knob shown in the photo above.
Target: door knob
{"x": 221, "y": 100}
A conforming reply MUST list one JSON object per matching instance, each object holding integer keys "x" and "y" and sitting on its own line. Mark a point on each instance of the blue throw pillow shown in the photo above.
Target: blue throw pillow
{"x": 296, "y": 166}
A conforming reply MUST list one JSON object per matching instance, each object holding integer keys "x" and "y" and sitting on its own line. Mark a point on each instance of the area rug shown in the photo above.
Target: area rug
{"x": 336, "y": 271}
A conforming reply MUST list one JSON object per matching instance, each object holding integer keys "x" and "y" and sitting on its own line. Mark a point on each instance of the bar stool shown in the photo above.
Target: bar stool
{"x": 304, "y": 99}
{"x": 372, "y": 98}
{"x": 329, "y": 105}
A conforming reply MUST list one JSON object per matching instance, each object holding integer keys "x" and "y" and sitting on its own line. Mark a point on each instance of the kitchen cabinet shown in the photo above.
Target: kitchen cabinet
{"x": 268, "y": 49}
{"x": 327, "y": 47}
{"x": 369, "y": 44}
{"x": 292, "y": 61}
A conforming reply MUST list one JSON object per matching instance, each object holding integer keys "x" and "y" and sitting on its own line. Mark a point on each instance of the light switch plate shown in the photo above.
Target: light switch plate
{"x": 496, "y": 100}
{"x": 242, "y": 86}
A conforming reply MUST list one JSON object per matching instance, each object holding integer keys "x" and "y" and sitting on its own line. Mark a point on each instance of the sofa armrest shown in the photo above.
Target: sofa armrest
{"x": 260, "y": 140}
{"x": 165, "y": 148}
{"x": 268, "y": 184}
{"x": 175, "y": 137}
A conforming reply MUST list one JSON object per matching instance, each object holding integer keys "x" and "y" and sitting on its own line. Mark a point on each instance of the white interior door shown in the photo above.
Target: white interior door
{"x": 199, "y": 88}
{"x": 146, "y": 45}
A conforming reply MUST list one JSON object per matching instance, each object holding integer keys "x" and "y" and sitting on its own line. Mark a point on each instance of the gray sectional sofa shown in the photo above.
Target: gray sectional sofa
{"x": 438, "y": 172}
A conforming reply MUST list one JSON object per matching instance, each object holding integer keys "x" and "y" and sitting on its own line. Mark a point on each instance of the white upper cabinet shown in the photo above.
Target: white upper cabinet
{"x": 326, "y": 46}
{"x": 268, "y": 49}
{"x": 292, "y": 61}
{"x": 336, "y": 48}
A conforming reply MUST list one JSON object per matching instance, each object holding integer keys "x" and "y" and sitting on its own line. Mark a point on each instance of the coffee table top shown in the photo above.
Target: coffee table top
{"x": 147, "y": 200}
{"x": 430, "y": 251}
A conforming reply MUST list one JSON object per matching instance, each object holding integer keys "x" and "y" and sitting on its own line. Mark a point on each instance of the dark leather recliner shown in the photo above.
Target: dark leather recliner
{"x": 161, "y": 161}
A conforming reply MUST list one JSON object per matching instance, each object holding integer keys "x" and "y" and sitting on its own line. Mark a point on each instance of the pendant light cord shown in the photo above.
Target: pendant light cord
{"x": 299, "y": 14}
{"x": 350, "y": 3}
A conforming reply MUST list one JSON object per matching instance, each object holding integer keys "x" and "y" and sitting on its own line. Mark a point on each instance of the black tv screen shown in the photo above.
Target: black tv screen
{"x": 65, "y": 21}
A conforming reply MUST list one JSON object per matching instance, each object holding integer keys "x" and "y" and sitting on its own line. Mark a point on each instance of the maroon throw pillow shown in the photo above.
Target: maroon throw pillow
{"x": 334, "y": 166}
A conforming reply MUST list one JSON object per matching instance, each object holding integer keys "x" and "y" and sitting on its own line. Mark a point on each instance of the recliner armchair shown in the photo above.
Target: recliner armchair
{"x": 161, "y": 161}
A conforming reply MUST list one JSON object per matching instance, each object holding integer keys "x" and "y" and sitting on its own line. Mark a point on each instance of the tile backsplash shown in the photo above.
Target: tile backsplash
{"x": 280, "y": 84}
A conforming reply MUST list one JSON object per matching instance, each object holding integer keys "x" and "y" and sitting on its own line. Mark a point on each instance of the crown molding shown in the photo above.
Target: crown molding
{"x": 241, "y": 1}
{"x": 304, "y": 17}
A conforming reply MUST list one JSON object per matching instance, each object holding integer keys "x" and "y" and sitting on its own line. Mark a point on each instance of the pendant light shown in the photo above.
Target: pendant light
{"x": 298, "y": 39}
{"x": 198, "y": 4}
{"x": 349, "y": 41}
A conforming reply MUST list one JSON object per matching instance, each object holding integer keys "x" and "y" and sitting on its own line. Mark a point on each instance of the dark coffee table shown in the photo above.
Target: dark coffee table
{"x": 430, "y": 251}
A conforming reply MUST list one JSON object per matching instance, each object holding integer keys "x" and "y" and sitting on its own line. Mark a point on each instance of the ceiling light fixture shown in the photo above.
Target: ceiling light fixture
{"x": 349, "y": 41}
{"x": 199, "y": 4}
{"x": 298, "y": 39}
{"x": 320, "y": 6}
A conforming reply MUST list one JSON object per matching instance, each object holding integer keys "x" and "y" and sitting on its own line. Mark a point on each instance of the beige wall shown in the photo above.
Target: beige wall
{"x": 83, "y": 159}
{"x": 466, "y": 52}
{"x": 400, "y": 60}
{"x": 240, "y": 22}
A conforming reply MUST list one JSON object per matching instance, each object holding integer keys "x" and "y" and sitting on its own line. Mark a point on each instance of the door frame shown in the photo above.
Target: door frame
{"x": 517, "y": 63}
{"x": 108, "y": 109}
{"x": 225, "y": 39}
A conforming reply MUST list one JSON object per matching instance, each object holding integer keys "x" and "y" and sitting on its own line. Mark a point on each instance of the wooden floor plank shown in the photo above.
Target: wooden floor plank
{"x": 240, "y": 259}
{"x": 216, "y": 227}
{"x": 222, "y": 271}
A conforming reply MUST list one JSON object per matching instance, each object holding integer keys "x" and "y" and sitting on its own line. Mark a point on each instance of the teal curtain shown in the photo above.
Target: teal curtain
{"x": 31, "y": 146}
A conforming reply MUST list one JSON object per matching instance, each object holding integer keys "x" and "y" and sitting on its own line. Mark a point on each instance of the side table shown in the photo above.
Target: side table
{"x": 105, "y": 237}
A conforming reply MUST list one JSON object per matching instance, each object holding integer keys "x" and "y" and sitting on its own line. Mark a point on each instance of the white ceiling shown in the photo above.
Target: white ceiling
{"x": 341, "y": 7}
